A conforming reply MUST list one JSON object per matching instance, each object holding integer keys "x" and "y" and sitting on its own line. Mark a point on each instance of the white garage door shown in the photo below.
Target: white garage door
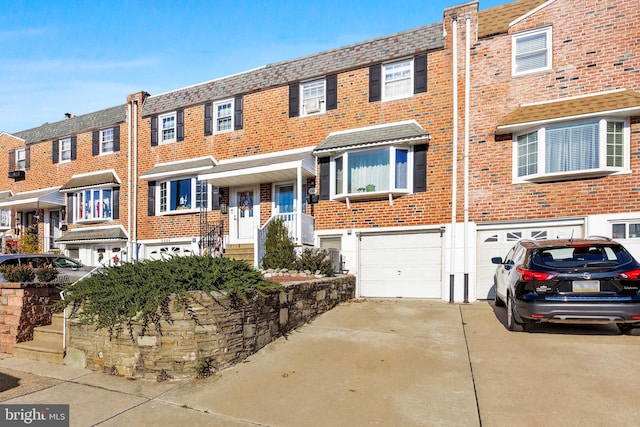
{"x": 401, "y": 265}
{"x": 497, "y": 242}
{"x": 167, "y": 251}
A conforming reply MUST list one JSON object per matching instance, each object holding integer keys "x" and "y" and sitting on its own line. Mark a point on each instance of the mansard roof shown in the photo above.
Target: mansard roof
{"x": 362, "y": 54}
{"x": 74, "y": 125}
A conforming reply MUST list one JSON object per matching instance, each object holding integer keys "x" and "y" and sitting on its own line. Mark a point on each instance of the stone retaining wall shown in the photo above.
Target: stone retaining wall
{"x": 224, "y": 336}
{"x": 23, "y": 306}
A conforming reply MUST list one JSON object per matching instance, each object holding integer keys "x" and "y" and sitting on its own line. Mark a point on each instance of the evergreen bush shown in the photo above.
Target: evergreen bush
{"x": 46, "y": 273}
{"x": 315, "y": 259}
{"x": 118, "y": 295}
{"x": 17, "y": 273}
{"x": 279, "y": 249}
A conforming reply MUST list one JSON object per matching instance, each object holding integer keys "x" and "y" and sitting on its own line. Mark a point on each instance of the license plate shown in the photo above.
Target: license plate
{"x": 586, "y": 286}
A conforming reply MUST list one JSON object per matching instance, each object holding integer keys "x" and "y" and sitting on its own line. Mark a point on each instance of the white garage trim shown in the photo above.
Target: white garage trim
{"x": 406, "y": 263}
{"x": 495, "y": 240}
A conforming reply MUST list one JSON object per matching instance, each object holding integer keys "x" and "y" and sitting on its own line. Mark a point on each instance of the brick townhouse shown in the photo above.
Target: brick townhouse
{"x": 554, "y": 113}
{"x": 354, "y": 149}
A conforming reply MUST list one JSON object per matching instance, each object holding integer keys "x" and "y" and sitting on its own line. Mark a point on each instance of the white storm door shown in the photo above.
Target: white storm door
{"x": 245, "y": 214}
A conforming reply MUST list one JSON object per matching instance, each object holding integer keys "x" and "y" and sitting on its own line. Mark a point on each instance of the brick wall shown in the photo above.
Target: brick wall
{"x": 267, "y": 128}
{"x": 23, "y": 306}
{"x": 225, "y": 336}
{"x": 595, "y": 49}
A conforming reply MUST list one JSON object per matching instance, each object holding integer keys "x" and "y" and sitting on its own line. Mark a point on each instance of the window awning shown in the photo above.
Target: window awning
{"x": 48, "y": 198}
{"x": 112, "y": 234}
{"x": 273, "y": 167}
{"x": 83, "y": 181}
{"x": 183, "y": 167}
{"x": 621, "y": 103}
{"x": 407, "y": 133}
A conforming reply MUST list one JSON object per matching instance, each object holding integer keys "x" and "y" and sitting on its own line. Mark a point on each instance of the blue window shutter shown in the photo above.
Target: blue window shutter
{"x": 420, "y": 73}
{"x": 54, "y": 151}
{"x": 154, "y": 131}
{"x": 238, "y": 113}
{"x": 332, "y": 92}
{"x": 116, "y": 138}
{"x": 151, "y": 207}
{"x": 325, "y": 177}
{"x": 420, "y": 168}
{"x": 375, "y": 83}
{"x": 208, "y": 118}
{"x": 294, "y": 100}
{"x": 180, "y": 125}
{"x": 95, "y": 143}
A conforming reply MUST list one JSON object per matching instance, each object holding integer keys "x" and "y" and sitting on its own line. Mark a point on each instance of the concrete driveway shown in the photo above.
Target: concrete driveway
{"x": 374, "y": 363}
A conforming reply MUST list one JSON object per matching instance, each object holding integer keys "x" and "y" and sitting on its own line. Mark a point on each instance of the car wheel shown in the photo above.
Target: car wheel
{"x": 625, "y": 328}
{"x": 496, "y": 299}
{"x": 512, "y": 323}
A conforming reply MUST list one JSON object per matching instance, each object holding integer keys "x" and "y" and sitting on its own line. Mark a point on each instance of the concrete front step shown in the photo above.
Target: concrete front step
{"x": 49, "y": 333}
{"x": 47, "y": 343}
{"x": 42, "y": 351}
{"x": 242, "y": 252}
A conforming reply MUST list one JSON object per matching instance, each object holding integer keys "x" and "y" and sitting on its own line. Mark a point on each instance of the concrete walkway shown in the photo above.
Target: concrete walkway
{"x": 372, "y": 363}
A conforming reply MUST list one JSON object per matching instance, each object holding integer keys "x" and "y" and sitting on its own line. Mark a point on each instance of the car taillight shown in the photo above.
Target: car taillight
{"x": 630, "y": 275}
{"x": 527, "y": 275}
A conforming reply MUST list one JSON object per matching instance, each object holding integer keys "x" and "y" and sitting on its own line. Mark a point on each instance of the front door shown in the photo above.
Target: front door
{"x": 244, "y": 214}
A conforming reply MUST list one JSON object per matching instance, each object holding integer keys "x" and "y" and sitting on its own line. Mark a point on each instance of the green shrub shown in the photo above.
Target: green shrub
{"x": 141, "y": 291}
{"x": 46, "y": 273}
{"x": 315, "y": 259}
{"x": 17, "y": 273}
{"x": 279, "y": 249}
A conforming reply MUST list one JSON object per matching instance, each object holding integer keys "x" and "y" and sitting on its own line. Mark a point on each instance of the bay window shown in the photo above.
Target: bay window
{"x": 381, "y": 169}
{"x": 94, "y": 204}
{"x": 587, "y": 148}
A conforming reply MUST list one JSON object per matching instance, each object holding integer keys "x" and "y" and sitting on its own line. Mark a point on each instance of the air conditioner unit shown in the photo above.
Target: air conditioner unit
{"x": 312, "y": 105}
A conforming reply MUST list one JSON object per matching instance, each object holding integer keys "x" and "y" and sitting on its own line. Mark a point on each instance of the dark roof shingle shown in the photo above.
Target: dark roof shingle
{"x": 74, "y": 125}
{"x": 361, "y": 54}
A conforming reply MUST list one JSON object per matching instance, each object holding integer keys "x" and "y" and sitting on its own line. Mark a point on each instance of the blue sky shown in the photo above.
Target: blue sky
{"x": 60, "y": 57}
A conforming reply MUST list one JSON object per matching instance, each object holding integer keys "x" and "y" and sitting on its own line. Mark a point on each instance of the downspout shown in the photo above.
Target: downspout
{"x": 454, "y": 161}
{"x": 299, "y": 205}
{"x": 135, "y": 179}
{"x": 129, "y": 185}
{"x": 467, "y": 54}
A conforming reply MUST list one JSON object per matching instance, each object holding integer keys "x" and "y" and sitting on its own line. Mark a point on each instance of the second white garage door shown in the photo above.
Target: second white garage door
{"x": 401, "y": 265}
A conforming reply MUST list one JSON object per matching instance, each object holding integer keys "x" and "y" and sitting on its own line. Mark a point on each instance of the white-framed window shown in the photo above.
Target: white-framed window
{"x": 576, "y": 149}
{"x": 182, "y": 194}
{"x": 397, "y": 79}
{"x": 369, "y": 171}
{"x": 223, "y": 115}
{"x": 626, "y": 230}
{"x": 167, "y": 129}
{"x": 21, "y": 159}
{"x": 531, "y": 51}
{"x": 312, "y": 97}
{"x": 94, "y": 204}
{"x": 106, "y": 141}
{"x": 65, "y": 150}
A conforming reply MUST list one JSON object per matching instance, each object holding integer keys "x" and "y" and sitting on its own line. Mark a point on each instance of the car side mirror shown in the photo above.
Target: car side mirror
{"x": 496, "y": 260}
